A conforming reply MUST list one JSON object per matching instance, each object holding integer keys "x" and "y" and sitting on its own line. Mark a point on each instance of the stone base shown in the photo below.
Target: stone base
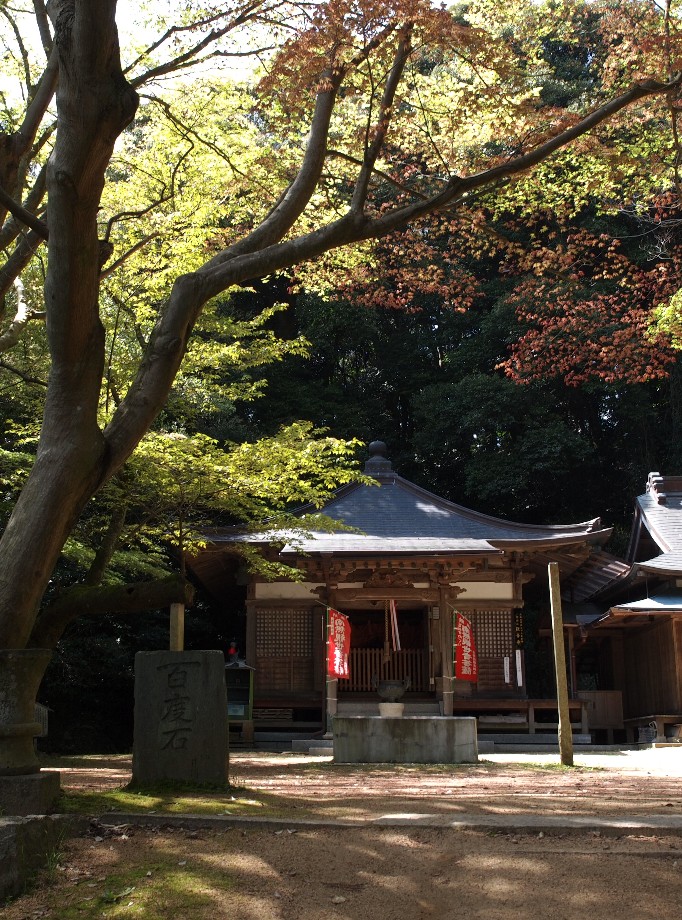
{"x": 27, "y": 845}
{"x": 391, "y": 710}
{"x": 412, "y": 739}
{"x": 30, "y": 793}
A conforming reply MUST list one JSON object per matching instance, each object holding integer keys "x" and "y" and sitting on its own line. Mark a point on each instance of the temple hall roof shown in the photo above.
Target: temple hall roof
{"x": 397, "y": 516}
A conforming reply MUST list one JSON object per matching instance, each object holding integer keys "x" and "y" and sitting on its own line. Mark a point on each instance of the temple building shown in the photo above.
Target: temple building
{"x": 627, "y": 620}
{"x": 434, "y": 560}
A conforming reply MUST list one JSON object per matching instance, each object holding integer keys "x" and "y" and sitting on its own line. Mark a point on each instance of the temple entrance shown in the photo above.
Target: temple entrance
{"x": 368, "y": 658}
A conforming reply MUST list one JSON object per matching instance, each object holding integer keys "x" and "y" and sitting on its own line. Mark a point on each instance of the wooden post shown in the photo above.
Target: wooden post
{"x": 331, "y": 684}
{"x": 177, "y": 627}
{"x": 446, "y": 619}
{"x": 565, "y": 730}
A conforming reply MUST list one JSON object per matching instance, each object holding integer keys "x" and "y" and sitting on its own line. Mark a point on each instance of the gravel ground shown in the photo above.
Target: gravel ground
{"x": 388, "y": 873}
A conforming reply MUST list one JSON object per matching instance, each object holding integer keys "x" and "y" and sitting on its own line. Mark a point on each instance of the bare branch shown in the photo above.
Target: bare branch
{"x": 191, "y": 54}
{"x": 43, "y": 22}
{"x": 168, "y": 191}
{"x": 22, "y": 317}
{"x": 24, "y": 251}
{"x": 178, "y": 30}
{"x": 27, "y": 378}
{"x": 117, "y": 263}
{"x": 106, "y": 548}
{"x": 188, "y": 131}
{"x": 12, "y": 228}
{"x": 22, "y": 215}
{"x": 22, "y": 48}
{"x": 379, "y": 172}
{"x": 372, "y": 150}
{"x": 38, "y": 105}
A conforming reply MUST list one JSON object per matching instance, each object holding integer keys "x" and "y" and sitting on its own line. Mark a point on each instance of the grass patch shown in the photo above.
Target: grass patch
{"x": 542, "y": 767}
{"x": 162, "y": 889}
{"x": 161, "y": 801}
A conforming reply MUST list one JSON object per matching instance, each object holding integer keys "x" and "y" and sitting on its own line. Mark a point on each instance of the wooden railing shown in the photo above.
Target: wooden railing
{"x": 365, "y": 663}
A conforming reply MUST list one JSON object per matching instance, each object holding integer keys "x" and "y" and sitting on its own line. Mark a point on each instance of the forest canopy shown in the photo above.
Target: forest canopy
{"x": 477, "y": 195}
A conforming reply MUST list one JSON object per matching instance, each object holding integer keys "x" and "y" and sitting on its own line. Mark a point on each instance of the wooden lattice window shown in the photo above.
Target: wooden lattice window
{"x": 283, "y": 633}
{"x": 494, "y": 633}
{"x": 284, "y": 652}
{"x": 495, "y": 641}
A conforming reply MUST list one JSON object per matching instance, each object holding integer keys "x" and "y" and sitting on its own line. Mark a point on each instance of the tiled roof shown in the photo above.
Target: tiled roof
{"x": 636, "y": 613}
{"x": 398, "y": 509}
{"x": 397, "y": 516}
{"x": 660, "y": 511}
{"x": 600, "y": 572}
{"x": 661, "y": 603}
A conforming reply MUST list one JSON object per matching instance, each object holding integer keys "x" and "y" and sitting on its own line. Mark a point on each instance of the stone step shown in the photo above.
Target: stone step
{"x": 301, "y": 746}
{"x": 416, "y": 708}
{"x": 527, "y": 740}
{"x": 501, "y": 742}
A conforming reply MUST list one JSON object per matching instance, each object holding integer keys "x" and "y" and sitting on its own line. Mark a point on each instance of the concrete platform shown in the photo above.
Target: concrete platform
{"x": 410, "y": 739}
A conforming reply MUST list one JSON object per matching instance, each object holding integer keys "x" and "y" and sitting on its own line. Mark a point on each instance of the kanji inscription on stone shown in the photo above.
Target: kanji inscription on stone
{"x": 181, "y": 727}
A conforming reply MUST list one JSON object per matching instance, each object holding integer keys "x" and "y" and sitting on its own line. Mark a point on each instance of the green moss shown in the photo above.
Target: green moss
{"x": 155, "y": 891}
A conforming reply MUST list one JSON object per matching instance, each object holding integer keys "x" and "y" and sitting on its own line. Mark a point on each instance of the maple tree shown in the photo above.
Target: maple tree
{"x": 367, "y": 97}
{"x": 587, "y": 309}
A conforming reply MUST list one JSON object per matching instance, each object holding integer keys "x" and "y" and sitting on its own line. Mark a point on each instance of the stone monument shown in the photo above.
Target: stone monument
{"x": 181, "y": 727}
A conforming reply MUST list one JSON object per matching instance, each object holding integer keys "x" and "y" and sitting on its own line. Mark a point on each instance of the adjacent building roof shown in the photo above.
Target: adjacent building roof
{"x": 599, "y": 574}
{"x": 658, "y": 516}
{"x": 635, "y": 613}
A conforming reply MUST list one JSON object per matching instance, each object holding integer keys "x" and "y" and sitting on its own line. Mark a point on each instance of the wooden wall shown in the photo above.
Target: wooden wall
{"x": 289, "y": 652}
{"x": 653, "y": 669}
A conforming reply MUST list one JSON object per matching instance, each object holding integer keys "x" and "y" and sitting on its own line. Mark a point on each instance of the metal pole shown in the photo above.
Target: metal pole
{"x": 565, "y": 731}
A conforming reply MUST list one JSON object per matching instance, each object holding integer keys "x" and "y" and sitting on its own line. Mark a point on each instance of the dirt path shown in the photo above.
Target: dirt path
{"x": 382, "y": 874}
{"x": 385, "y": 873}
{"x": 636, "y": 783}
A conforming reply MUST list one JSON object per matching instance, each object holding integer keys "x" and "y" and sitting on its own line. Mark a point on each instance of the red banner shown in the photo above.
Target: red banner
{"x": 338, "y": 645}
{"x": 466, "y": 660}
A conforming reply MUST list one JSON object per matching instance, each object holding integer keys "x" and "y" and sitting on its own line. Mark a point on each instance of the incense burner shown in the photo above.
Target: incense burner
{"x": 390, "y": 690}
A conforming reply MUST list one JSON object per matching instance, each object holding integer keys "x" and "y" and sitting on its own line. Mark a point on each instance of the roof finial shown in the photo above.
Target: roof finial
{"x": 378, "y": 464}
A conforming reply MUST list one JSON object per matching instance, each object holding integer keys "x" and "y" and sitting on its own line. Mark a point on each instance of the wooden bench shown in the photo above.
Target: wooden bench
{"x": 660, "y": 721}
{"x": 526, "y": 709}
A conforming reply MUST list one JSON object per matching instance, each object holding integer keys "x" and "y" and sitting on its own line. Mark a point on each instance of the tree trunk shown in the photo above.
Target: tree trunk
{"x": 94, "y": 104}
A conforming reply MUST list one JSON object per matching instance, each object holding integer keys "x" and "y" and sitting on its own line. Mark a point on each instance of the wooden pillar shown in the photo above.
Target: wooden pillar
{"x": 251, "y": 625}
{"x": 331, "y": 683}
{"x": 565, "y": 730}
{"x": 448, "y": 665}
{"x": 571, "y": 663}
{"x": 435, "y": 645}
{"x": 177, "y": 628}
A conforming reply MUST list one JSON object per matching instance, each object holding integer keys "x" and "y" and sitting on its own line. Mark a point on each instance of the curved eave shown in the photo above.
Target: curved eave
{"x": 595, "y": 536}
{"x": 666, "y": 565}
{"x": 358, "y": 545}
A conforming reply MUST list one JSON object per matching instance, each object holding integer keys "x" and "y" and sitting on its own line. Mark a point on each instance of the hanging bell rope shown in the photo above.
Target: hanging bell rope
{"x": 386, "y": 657}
